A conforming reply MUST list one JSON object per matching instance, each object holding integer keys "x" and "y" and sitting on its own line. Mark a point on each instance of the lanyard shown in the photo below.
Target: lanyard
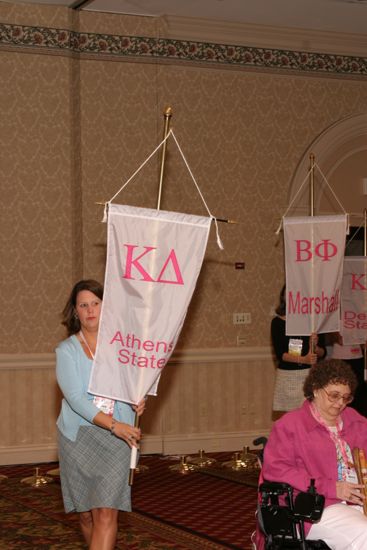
{"x": 86, "y": 343}
{"x": 104, "y": 403}
{"x": 336, "y": 437}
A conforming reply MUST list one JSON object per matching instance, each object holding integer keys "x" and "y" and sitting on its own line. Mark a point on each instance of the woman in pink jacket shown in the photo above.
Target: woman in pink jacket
{"x": 316, "y": 441}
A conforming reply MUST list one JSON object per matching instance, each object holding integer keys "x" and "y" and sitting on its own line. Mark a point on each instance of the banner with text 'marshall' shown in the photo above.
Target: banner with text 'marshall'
{"x": 314, "y": 252}
{"x": 354, "y": 300}
{"x": 153, "y": 261}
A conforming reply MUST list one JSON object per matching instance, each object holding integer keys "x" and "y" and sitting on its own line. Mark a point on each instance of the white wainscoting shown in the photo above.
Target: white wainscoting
{"x": 212, "y": 399}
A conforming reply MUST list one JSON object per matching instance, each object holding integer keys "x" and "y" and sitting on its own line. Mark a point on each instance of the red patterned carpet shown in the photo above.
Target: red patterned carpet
{"x": 218, "y": 509}
{"x": 171, "y": 511}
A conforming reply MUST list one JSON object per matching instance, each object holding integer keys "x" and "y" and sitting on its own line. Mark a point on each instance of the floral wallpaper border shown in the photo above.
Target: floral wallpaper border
{"x": 61, "y": 40}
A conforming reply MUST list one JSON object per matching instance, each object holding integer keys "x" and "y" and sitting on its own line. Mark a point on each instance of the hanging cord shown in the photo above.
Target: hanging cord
{"x": 294, "y": 198}
{"x": 335, "y": 197}
{"x": 352, "y": 237}
{"x": 219, "y": 242}
{"x": 133, "y": 176}
{"x": 331, "y": 189}
{"x": 303, "y": 183}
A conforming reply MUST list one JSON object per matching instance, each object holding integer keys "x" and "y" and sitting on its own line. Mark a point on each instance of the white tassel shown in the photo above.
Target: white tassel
{"x": 219, "y": 240}
{"x": 105, "y": 212}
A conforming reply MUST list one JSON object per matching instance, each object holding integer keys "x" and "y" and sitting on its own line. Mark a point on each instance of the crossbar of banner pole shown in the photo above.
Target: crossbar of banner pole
{"x": 221, "y": 220}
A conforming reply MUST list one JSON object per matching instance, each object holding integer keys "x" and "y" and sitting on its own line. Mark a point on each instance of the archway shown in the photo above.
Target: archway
{"x": 341, "y": 153}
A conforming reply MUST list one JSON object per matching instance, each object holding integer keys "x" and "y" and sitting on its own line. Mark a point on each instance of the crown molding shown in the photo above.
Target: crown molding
{"x": 264, "y": 36}
{"x": 53, "y": 41}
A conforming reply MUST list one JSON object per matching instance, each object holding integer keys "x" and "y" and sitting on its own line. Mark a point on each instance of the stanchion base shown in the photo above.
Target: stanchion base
{"x": 37, "y": 480}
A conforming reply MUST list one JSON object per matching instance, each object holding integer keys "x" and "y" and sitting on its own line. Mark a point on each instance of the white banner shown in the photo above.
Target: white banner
{"x": 314, "y": 252}
{"x": 153, "y": 261}
{"x": 354, "y": 300}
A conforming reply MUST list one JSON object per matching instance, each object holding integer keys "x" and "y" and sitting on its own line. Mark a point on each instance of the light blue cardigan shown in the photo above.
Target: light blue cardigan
{"x": 77, "y": 409}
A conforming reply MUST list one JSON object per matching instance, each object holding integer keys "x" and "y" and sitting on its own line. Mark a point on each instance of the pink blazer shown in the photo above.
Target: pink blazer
{"x": 299, "y": 448}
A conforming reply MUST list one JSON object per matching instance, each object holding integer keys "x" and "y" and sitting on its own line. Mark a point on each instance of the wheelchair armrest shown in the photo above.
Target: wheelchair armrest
{"x": 308, "y": 506}
{"x": 275, "y": 488}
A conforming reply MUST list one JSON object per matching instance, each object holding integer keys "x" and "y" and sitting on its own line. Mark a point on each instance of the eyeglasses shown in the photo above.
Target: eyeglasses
{"x": 335, "y": 396}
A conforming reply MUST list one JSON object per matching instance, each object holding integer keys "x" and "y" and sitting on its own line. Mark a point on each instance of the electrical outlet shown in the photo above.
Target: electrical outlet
{"x": 241, "y": 341}
{"x": 241, "y": 318}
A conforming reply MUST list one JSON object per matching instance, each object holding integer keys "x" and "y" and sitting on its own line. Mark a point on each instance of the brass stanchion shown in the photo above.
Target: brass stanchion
{"x": 202, "y": 460}
{"x": 37, "y": 480}
{"x": 183, "y": 467}
{"x": 235, "y": 463}
{"x": 249, "y": 460}
{"x": 243, "y": 461}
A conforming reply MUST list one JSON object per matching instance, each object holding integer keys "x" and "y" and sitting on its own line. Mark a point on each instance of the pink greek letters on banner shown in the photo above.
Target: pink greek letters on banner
{"x": 153, "y": 261}
{"x": 314, "y": 252}
{"x": 130, "y": 263}
{"x": 354, "y": 300}
{"x": 324, "y": 250}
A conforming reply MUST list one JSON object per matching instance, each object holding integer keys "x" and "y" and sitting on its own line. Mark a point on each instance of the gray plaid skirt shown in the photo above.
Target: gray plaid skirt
{"x": 94, "y": 471}
{"x": 288, "y": 391}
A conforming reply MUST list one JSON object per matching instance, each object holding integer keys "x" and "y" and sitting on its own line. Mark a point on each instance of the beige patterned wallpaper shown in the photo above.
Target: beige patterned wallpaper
{"x": 74, "y": 129}
{"x": 36, "y": 175}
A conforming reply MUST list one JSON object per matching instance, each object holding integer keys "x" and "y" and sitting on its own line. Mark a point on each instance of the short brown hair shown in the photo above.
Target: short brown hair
{"x": 329, "y": 371}
{"x": 69, "y": 318}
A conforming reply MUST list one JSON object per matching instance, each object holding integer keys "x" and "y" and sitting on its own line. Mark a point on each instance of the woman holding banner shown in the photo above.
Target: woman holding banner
{"x": 94, "y": 434}
{"x": 295, "y": 355}
{"x": 317, "y": 442}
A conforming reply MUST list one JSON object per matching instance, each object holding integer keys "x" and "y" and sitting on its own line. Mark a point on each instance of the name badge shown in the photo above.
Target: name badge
{"x": 351, "y": 475}
{"x": 295, "y": 347}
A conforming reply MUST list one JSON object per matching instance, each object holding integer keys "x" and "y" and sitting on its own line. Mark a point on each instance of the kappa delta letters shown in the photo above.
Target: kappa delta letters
{"x": 132, "y": 261}
{"x": 134, "y": 351}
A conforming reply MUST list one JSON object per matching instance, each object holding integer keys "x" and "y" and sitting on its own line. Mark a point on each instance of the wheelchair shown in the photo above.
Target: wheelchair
{"x": 281, "y": 514}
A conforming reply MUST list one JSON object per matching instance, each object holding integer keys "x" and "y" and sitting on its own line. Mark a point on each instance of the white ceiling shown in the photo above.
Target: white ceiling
{"x": 343, "y": 16}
